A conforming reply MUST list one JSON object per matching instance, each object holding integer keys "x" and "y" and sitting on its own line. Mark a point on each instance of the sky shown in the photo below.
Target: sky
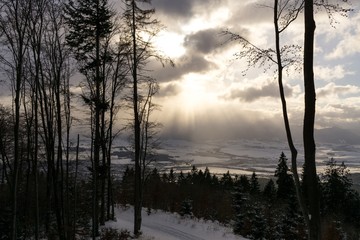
{"x": 209, "y": 93}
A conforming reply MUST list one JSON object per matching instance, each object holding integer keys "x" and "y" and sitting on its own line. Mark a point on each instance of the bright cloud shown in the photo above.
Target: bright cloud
{"x": 335, "y": 90}
{"x": 329, "y": 74}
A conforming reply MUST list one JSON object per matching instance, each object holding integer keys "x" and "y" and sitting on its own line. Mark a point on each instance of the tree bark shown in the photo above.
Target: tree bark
{"x": 292, "y": 147}
{"x": 137, "y": 195}
{"x": 311, "y": 183}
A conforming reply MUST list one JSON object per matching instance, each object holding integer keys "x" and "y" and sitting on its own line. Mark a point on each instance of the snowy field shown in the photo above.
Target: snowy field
{"x": 236, "y": 156}
{"x": 239, "y": 156}
{"x": 166, "y": 226}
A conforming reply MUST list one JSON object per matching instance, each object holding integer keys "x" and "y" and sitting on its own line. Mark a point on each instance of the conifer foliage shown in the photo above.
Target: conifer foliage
{"x": 90, "y": 27}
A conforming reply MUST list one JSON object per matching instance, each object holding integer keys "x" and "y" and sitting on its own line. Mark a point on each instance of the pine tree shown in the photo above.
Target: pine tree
{"x": 339, "y": 199}
{"x": 171, "y": 176}
{"x": 90, "y": 25}
{"x": 285, "y": 182}
{"x": 227, "y": 180}
{"x": 254, "y": 184}
{"x": 239, "y": 201}
{"x": 270, "y": 190}
{"x": 245, "y": 183}
{"x": 186, "y": 208}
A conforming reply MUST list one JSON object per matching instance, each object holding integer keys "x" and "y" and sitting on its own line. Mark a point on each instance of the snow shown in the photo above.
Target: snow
{"x": 160, "y": 225}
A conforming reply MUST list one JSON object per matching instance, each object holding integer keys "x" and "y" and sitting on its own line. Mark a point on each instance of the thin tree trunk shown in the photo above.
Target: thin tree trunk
{"x": 75, "y": 187}
{"x": 137, "y": 200}
{"x": 293, "y": 150}
{"x": 36, "y": 176}
{"x": 97, "y": 143}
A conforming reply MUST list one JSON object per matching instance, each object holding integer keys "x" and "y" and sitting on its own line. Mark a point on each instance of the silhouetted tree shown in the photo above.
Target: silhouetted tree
{"x": 284, "y": 179}
{"x": 270, "y": 190}
{"x": 142, "y": 28}
{"x": 254, "y": 184}
{"x": 90, "y": 27}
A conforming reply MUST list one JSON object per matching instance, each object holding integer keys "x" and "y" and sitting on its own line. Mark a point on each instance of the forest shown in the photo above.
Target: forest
{"x": 55, "y": 52}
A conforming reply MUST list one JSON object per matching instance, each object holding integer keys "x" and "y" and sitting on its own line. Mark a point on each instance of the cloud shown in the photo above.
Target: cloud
{"x": 332, "y": 89}
{"x": 251, "y": 94}
{"x": 190, "y": 63}
{"x": 200, "y": 47}
{"x": 205, "y": 41}
{"x": 182, "y": 10}
{"x": 249, "y": 12}
{"x": 171, "y": 89}
{"x": 331, "y": 73}
{"x": 349, "y": 43}
{"x": 225, "y": 123}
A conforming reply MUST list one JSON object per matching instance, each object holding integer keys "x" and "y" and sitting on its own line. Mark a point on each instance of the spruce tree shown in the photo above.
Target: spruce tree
{"x": 239, "y": 201}
{"x": 89, "y": 23}
{"x": 284, "y": 181}
{"x": 269, "y": 190}
{"x": 254, "y": 184}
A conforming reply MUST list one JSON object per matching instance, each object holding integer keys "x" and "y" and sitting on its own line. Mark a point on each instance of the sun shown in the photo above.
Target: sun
{"x": 170, "y": 43}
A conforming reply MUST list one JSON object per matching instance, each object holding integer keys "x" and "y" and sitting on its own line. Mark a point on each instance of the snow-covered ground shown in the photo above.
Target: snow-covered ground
{"x": 166, "y": 226}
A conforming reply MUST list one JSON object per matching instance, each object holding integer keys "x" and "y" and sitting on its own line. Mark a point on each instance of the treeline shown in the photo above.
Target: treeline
{"x": 257, "y": 209}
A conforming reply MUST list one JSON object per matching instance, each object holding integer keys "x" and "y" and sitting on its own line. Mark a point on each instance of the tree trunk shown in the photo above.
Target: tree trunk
{"x": 293, "y": 150}
{"x": 97, "y": 142}
{"x": 137, "y": 196}
{"x": 75, "y": 187}
{"x": 311, "y": 183}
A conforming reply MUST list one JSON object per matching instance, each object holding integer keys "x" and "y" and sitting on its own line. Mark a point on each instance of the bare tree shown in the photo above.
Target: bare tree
{"x": 14, "y": 21}
{"x": 286, "y": 12}
{"x": 143, "y": 27}
{"x": 312, "y": 185}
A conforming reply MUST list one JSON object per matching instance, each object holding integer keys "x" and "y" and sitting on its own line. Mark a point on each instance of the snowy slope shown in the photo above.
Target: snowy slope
{"x": 167, "y": 226}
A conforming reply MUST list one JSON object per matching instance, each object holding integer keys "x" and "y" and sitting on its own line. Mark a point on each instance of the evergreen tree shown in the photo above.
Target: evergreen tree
{"x": 226, "y": 180}
{"x": 254, "y": 184}
{"x": 340, "y": 201}
{"x": 181, "y": 178}
{"x": 245, "y": 183}
{"x": 90, "y": 26}
{"x": 171, "y": 176}
{"x": 270, "y": 190}
{"x": 239, "y": 201}
{"x": 127, "y": 187}
{"x": 186, "y": 208}
{"x": 207, "y": 175}
{"x": 285, "y": 182}
{"x": 258, "y": 226}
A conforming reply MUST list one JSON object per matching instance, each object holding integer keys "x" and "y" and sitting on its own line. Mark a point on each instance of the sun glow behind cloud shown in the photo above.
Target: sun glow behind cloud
{"x": 170, "y": 43}
{"x": 208, "y": 20}
{"x": 207, "y": 78}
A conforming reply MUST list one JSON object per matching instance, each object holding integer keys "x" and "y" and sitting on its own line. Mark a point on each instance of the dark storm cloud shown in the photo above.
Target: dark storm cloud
{"x": 205, "y": 41}
{"x": 198, "y": 45}
{"x": 171, "y": 89}
{"x": 252, "y": 94}
{"x": 179, "y": 8}
{"x": 190, "y": 63}
{"x": 182, "y": 8}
